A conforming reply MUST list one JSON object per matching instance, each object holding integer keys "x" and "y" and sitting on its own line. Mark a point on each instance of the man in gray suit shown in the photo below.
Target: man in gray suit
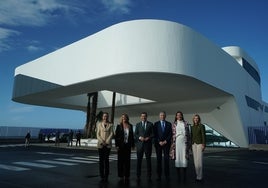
{"x": 143, "y": 137}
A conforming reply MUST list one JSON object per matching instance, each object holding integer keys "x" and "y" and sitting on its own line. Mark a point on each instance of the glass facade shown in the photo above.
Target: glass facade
{"x": 252, "y": 71}
{"x": 258, "y": 135}
{"x": 215, "y": 139}
{"x": 254, "y": 104}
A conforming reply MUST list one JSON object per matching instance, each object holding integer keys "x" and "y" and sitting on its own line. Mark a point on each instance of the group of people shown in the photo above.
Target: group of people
{"x": 71, "y": 136}
{"x": 172, "y": 141}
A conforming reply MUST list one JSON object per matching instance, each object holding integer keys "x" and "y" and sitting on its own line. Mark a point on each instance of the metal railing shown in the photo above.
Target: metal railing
{"x": 258, "y": 135}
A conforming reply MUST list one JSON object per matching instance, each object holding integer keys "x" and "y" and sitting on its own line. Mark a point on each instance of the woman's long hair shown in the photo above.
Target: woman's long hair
{"x": 121, "y": 118}
{"x": 178, "y": 112}
{"x": 199, "y": 119}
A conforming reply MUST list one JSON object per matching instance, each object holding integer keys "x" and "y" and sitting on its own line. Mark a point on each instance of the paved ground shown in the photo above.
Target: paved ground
{"x": 48, "y": 166}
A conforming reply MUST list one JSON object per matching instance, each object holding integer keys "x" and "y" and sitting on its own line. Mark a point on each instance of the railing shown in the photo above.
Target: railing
{"x": 258, "y": 135}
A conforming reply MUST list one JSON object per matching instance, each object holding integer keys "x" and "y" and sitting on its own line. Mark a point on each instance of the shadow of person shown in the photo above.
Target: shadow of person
{"x": 103, "y": 184}
{"x": 123, "y": 183}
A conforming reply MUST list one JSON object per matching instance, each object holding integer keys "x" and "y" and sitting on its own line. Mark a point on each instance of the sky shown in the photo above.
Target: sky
{"x": 30, "y": 29}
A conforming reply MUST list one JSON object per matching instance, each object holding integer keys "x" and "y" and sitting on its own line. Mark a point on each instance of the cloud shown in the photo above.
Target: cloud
{"x": 42, "y": 12}
{"x": 117, "y": 6}
{"x": 5, "y": 34}
{"x": 29, "y": 12}
{"x": 39, "y": 13}
{"x": 33, "y": 48}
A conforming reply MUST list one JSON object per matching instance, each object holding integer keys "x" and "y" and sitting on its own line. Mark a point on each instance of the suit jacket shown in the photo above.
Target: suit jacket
{"x": 140, "y": 131}
{"x": 119, "y": 136}
{"x": 159, "y": 135}
{"x": 104, "y": 135}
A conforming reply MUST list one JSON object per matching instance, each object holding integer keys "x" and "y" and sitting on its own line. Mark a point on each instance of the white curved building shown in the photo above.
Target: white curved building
{"x": 153, "y": 65}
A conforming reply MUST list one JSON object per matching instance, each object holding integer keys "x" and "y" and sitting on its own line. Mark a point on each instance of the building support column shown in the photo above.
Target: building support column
{"x": 113, "y": 107}
{"x": 91, "y": 114}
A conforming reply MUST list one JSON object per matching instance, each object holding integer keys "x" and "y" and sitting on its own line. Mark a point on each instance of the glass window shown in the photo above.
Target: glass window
{"x": 251, "y": 70}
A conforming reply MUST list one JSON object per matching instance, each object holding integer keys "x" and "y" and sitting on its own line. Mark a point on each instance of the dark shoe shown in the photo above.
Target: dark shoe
{"x": 126, "y": 180}
{"x": 199, "y": 180}
{"x": 121, "y": 179}
{"x": 184, "y": 175}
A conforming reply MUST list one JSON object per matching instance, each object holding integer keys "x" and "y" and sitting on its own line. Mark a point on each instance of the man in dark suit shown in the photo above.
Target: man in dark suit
{"x": 162, "y": 141}
{"x": 143, "y": 137}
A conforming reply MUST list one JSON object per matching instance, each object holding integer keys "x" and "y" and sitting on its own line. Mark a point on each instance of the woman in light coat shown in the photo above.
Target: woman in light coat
{"x": 104, "y": 137}
{"x": 181, "y": 145}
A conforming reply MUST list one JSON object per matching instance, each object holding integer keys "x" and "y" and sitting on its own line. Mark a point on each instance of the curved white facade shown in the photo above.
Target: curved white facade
{"x": 154, "y": 65}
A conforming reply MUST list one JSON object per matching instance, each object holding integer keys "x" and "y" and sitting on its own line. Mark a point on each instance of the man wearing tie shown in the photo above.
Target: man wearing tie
{"x": 162, "y": 141}
{"x": 143, "y": 137}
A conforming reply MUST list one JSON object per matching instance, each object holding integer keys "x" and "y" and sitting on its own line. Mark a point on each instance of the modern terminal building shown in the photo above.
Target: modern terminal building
{"x": 153, "y": 66}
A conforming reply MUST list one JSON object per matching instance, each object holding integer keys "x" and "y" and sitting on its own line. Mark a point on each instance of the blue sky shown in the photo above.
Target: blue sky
{"x": 32, "y": 28}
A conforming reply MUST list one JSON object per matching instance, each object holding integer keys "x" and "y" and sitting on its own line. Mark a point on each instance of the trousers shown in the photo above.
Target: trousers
{"x": 198, "y": 160}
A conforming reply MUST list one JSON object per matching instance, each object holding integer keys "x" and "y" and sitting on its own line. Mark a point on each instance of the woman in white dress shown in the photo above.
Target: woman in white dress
{"x": 181, "y": 145}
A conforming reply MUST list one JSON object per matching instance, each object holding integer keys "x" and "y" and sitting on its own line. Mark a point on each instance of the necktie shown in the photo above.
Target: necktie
{"x": 163, "y": 125}
{"x": 143, "y": 125}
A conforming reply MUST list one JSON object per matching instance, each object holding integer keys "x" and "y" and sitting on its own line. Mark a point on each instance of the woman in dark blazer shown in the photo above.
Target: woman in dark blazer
{"x": 124, "y": 141}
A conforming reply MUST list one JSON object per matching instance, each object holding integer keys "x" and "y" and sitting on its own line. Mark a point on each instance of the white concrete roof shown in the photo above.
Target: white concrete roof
{"x": 154, "y": 65}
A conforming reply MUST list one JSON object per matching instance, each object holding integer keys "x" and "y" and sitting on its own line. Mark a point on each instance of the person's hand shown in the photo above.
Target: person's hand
{"x": 162, "y": 143}
{"x": 190, "y": 152}
{"x": 203, "y": 147}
